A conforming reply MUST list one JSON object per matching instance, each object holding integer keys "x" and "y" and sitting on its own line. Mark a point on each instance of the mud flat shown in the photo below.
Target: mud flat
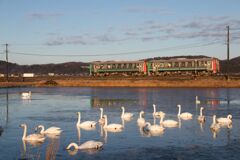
{"x": 201, "y": 83}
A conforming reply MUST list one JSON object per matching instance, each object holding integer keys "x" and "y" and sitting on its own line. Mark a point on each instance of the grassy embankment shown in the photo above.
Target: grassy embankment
{"x": 81, "y": 82}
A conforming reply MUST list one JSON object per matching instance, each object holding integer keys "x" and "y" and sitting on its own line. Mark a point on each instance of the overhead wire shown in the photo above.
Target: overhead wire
{"x": 187, "y": 46}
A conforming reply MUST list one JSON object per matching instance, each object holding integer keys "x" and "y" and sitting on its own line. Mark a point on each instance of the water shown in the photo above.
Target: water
{"x": 58, "y": 107}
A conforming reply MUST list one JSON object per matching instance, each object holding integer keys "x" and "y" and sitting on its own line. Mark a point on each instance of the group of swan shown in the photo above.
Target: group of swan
{"x": 153, "y": 129}
{"x": 36, "y": 137}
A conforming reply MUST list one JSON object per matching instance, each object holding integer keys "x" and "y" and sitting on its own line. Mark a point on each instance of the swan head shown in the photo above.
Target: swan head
{"x": 23, "y": 125}
{"x": 179, "y": 106}
{"x": 123, "y": 108}
{"x": 142, "y": 112}
{"x": 229, "y": 116}
{"x": 78, "y": 113}
{"x": 101, "y": 109}
{"x": 154, "y": 105}
{"x": 202, "y": 108}
{"x": 104, "y": 116}
{"x": 147, "y": 124}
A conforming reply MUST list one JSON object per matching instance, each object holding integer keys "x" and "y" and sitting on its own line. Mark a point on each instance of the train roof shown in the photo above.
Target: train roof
{"x": 115, "y": 62}
{"x": 183, "y": 59}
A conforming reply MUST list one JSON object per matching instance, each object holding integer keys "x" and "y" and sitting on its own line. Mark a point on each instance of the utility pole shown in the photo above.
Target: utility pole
{"x": 228, "y": 52}
{"x": 7, "y": 61}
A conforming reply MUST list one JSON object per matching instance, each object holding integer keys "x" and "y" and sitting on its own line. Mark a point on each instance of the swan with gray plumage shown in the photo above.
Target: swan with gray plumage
{"x": 101, "y": 119}
{"x": 201, "y": 117}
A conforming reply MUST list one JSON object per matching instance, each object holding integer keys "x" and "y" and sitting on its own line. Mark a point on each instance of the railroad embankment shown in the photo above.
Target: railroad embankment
{"x": 129, "y": 82}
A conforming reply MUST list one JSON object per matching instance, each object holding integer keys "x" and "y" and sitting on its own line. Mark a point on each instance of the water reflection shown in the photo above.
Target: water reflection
{"x": 103, "y": 102}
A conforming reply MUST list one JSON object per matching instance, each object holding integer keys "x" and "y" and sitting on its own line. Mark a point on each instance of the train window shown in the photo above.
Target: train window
{"x": 134, "y": 65}
{"x": 189, "y": 64}
{"x": 124, "y": 65}
{"x": 113, "y": 66}
{"x": 137, "y": 65}
{"x": 109, "y": 66}
{"x": 182, "y": 64}
{"x": 119, "y": 66}
{"x": 130, "y": 65}
{"x": 101, "y": 66}
{"x": 161, "y": 65}
{"x": 176, "y": 64}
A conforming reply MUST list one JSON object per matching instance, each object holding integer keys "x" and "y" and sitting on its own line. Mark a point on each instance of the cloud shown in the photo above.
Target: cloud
{"x": 43, "y": 16}
{"x": 197, "y": 28}
{"x": 147, "y": 10}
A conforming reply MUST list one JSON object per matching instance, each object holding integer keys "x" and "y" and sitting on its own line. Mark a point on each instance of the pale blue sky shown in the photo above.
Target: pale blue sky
{"x": 152, "y": 28}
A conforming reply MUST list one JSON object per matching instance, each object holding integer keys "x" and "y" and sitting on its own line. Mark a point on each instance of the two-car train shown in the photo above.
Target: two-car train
{"x": 180, "y": 66}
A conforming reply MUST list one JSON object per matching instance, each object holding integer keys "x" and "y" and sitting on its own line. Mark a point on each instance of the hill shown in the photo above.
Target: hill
{"x": 61, "y": 68}
{"x": 82, "y": 68}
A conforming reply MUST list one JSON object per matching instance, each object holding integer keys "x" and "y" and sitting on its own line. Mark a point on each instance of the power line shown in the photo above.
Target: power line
{"x": 188, "y": 46}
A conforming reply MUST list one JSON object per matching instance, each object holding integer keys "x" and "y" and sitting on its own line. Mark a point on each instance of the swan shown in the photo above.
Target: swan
{"x": 50, "y": 130}
{"x": 223, "y": 120}
{"x": 201, "y": 118}
{"x": 85, "y": 124}
{"x": 113, "y": 126}
{"x": 154, "y": 130}
{"x": 31, "y": 137}
{"x": 197, "y": 100}
{"x": 26, "y": 95}
{"x": 141, "y": 120}
{"x": 86, "y": 145}
{"x": 185, "y": 115}
{"x": 126, "y": 115}
{"x": 160, "y": 113}
{"x": 214, "y": 126}
{"x": 101, "y": 120}
{"x": 168, "y": 123}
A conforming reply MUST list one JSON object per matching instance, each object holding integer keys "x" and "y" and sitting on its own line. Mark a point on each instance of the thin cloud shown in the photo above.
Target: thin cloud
{"x": 43, "y": 16}
{"x": 148, "y": 10}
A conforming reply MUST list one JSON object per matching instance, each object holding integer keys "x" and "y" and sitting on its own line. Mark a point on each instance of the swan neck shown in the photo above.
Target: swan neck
{"x": 122, "y": 112}
{"x": 179, "y": 110}
{"x": 214, "y": 119}
{"x": 72, "y": 145}
{"x": 161, "y": 120}
{"x": 106, "y": 121}
{"x": 42, "y": 128}
{"x": 79, "y": 119}
{"x": 101, "y": 115}
{"x": 154, "y": 109}
{"x": 24, "y": 132}
{"x": 201, "y": 112}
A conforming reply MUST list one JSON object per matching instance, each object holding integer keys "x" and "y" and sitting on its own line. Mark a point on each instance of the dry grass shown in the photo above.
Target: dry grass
{"x": 203, "y": 83}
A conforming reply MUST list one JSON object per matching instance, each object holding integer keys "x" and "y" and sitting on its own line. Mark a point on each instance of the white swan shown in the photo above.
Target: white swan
{"x": 50, "y": 130}
{"x": 201, "y": 117}
{"x": 85, "y": 124}
{"x": 101, "y": 119}
{"x": 154, "y": 130}
{"x": 26, "y": 95}
{"x": 141, "y": 120}
{"x": 215, "y": 126}
{"x": 86, "y": 145}
{"x": 185, "y": 115}
{"x": 31, "y": 137}
{"x": 113, "y": 126}
{"x": 226, "y": 121}
{"x": 197, "y": 100}
{"x": 126, "y": 115}
{"x": 155, "y": 113}
{"x": 168, "y": 123}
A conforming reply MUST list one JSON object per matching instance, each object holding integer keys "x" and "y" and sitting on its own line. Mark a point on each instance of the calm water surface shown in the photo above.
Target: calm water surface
{"x": 58, "y": 107}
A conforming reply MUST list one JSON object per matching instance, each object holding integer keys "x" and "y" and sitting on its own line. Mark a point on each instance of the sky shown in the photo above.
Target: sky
{"x": 57, "y": 31}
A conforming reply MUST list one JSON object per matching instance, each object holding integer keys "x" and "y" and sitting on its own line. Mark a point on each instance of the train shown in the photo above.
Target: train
{"x": 182, "y": 66}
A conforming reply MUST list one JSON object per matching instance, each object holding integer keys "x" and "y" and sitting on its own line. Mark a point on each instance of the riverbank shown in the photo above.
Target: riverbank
{"x": 201, "y": 83}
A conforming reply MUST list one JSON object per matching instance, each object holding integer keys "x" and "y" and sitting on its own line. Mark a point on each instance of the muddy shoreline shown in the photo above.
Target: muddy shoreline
{"x": 198, "y": 83}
